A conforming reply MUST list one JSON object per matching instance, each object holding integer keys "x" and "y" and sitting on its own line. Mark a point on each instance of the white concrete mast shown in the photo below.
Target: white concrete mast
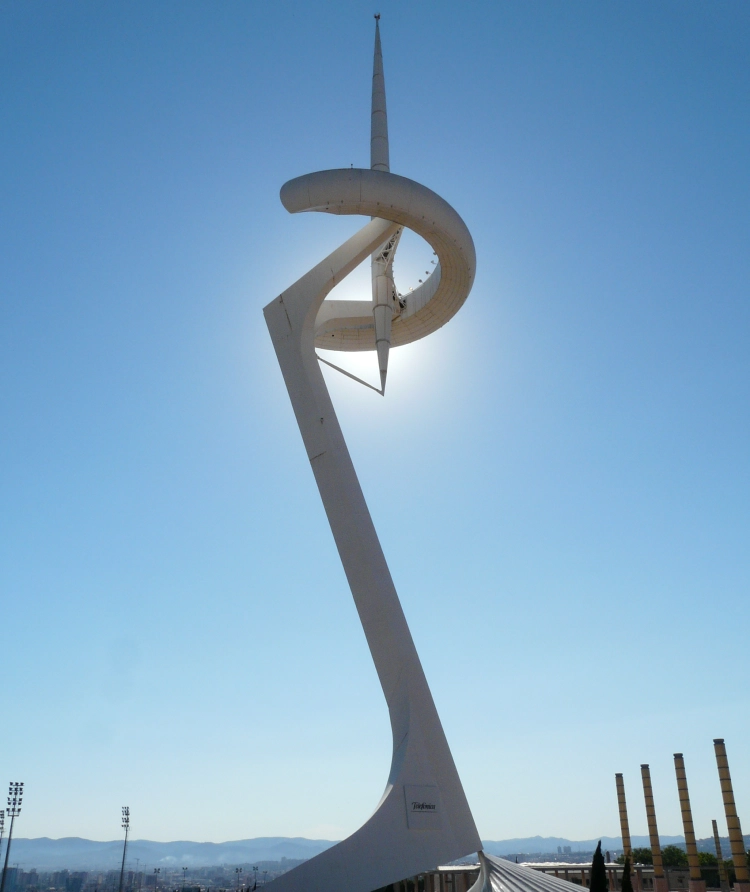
{"x": 384, "y": 299}
{"x": 423, "y": 817}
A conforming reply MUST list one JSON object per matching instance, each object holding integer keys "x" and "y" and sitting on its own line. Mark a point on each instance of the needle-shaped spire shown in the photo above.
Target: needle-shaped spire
{"x": 383, "y": 289}
{"x": 379, "y": 158}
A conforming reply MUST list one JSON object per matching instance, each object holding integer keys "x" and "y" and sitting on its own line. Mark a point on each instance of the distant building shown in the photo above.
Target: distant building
{"x": 73, "y": 884}
{"x": 60, "y": 878}
{"x": 460, "y": 878}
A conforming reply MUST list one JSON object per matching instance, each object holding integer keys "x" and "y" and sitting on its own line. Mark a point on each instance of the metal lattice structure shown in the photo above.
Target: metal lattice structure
{"x": 126, "y": 828}
{"x": 15, "y": 800}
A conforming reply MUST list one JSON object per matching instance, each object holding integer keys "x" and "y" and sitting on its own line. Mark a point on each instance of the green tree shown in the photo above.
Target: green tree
{"x": 709, "y": 869}
{"x": 674, "y": 856}
{"x": 642, "y": 856}
{"x": 627, "y": 882}
{"x": 729, "y": 864}
{"x": 598, "y": 878}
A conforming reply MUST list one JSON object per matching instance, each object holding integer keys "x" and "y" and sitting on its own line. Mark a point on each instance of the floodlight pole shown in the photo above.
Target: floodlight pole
{"x": 15, "y": 798}
{"x": 126, "y": 828}
{"x": 2, "y": 828}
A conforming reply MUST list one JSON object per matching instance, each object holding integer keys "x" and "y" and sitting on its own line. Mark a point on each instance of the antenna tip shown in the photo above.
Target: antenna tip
{"x": 377, "y": 16}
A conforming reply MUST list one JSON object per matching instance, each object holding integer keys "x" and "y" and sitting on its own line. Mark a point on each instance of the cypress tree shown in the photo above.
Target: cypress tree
{"x": 598, "y": 879}
{"x": 627, "y": 883}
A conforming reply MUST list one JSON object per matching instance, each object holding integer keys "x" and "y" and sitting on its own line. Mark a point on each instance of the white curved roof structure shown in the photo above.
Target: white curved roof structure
{"x": 499, "y": 875}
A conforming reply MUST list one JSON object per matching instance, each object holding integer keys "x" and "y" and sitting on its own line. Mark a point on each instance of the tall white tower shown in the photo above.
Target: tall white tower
{"x": 423, "y": 818}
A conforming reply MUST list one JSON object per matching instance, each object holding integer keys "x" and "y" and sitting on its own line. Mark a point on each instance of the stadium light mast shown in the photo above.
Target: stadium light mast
{"x": 2, "y": 828}
{"x": 15, "y": 797}
{"x": 126, "y": 828}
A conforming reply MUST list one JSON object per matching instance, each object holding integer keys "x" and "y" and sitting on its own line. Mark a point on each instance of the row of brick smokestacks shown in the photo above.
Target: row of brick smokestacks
{"x": 736, "y": 841}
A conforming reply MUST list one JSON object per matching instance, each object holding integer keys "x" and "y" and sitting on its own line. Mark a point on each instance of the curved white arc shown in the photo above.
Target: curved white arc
{"x": 385, "y": 848}
{"x": 376, "y": 193}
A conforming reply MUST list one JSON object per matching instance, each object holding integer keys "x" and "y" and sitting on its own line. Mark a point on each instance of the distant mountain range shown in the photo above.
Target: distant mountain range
{"x": 74, "y": 853}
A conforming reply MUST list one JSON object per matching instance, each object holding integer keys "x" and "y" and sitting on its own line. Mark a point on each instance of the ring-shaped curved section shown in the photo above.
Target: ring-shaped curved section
{"x": 348, "y": 325}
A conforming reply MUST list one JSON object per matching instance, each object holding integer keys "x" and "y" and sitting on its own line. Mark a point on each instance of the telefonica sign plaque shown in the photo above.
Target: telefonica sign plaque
{"x": 422, "y": 806}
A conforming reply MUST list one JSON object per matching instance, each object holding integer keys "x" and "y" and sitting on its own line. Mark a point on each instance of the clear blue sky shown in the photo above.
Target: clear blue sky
{"x": 567, "y": 518}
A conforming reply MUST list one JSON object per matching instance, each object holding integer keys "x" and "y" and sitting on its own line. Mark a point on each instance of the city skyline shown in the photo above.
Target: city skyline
{"x": 586, "y": 412}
